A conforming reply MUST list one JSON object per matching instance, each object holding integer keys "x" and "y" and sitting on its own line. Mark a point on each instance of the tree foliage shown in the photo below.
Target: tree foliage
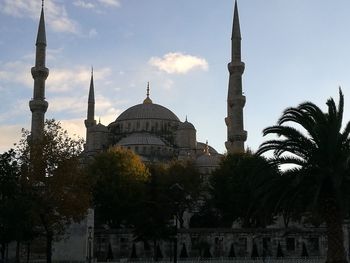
{"x": 236, "y": 187}
{"x": 320, "y": 155}
{"x": 15, "y": 218}
{"x": 118, "y": 177}
{"x": 54, "y": 179}
{"x": 172, "y": 189}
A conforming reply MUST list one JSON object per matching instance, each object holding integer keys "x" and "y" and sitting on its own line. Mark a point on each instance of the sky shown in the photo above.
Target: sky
{"x": 294, "y": 51}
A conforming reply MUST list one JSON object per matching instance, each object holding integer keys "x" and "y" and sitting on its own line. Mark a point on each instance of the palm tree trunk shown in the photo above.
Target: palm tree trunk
{"x": 335, "y": 235}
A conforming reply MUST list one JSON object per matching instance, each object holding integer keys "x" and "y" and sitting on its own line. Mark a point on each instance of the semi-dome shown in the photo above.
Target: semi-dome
{"x": 99, "y": 128}
{"x": 147, "y": 111}
{"x": 186, "y": 126}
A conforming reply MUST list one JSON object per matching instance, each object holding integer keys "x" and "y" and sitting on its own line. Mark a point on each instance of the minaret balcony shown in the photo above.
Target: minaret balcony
{"x": 40, "y": 72}
{"x": 236, "y": 67}
{"x": 38, "y": 105}
{"x": 236, "y": 101}
{"x": 240, "y": 136}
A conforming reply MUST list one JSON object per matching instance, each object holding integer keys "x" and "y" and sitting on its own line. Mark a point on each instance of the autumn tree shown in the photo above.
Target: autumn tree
{"x": 54, "y": 179}
{"x": 118, "y": 177}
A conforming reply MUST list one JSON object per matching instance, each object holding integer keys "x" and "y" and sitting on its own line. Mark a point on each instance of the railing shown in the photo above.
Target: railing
{"x": 203, "y": 260}
{"x": 226, "y": 260}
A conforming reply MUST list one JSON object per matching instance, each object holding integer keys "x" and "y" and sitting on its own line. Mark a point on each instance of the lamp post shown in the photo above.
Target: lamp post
{"x": 90, "y": 244}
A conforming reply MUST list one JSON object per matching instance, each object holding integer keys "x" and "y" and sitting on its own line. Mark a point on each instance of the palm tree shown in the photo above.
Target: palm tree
{"x": 320, "y": 156}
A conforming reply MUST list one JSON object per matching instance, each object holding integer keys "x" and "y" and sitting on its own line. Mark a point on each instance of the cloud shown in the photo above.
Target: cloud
{"x": 75, "y": 127}
{"x": 63, "y": 79}
{"x": 15, "y": 110}
{"x": 113, "y": 3}
{"x": 16, "y": 71}
{"x": 59, "y": 79}
{"x": 56, "y": 14}
{"x": 178, "y": 63}
{"x": 10, "y": 134}
{"x": 84, "y": 4}
{"x": 92, "y": 33}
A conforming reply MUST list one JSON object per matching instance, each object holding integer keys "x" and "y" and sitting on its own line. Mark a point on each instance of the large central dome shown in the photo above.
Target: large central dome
{"x": 147, "y": 111}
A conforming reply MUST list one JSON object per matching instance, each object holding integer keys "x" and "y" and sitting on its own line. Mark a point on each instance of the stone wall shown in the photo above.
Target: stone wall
{"x": 290, "y": 242}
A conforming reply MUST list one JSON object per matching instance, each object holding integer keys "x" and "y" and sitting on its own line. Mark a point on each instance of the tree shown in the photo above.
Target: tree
{"x": 118, "y": 176}
{"x": 235, "y": 187}
{"x": 320, "y": 158}
{"x": 171, "y": 189}
{"x": 55, "y": 180}
{"x": 15, "y": 221}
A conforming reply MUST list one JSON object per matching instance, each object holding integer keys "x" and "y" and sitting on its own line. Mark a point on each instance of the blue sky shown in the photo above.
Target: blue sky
{"x": 294, "y": 51}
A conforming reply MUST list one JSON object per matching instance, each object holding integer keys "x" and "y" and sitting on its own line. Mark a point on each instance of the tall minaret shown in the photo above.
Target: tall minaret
{"x": 38, "y": 105}
{"x": 236, "y": 135}
{"x": 90, "y": 120}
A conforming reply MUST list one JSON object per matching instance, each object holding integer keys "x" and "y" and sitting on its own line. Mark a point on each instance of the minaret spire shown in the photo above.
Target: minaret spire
{"x": 90, "y": 120}
{"x": 38, "y": 105}
{"x": 236, "y": 135}
{"x": 236, "y": 36}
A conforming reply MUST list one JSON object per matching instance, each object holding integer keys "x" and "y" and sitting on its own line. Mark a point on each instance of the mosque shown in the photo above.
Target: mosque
{"x": 156, "y": 134}
{"x": 151, "y": 130}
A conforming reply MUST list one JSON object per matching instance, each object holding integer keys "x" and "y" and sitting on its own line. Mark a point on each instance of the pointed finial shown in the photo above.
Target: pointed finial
{"x": 236, "y": 30}
{"x": 99, "y": 120}
{"x": 41, "y": 36}
{"x": 186, "y": 118}
{"x": 148, "y": 89}
{"x": 91, "y": 90}
{"x": 147, "y": 100}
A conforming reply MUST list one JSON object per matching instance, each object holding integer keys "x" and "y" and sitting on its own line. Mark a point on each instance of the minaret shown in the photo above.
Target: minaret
{"x": 38, "y": 105}
{"x": 236, "y": 135}
{"x": 90, "y": 120}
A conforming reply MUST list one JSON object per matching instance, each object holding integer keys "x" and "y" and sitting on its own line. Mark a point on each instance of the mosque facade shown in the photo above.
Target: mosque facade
{"x": 156, "y": 134}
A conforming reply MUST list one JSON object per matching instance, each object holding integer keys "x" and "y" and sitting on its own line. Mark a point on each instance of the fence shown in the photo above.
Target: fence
{"x": 209, "y": 260}
{"x": 229, "y": 260}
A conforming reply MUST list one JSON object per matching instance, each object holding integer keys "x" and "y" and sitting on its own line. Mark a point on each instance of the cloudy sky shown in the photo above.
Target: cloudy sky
{"x": 294, "y": 51}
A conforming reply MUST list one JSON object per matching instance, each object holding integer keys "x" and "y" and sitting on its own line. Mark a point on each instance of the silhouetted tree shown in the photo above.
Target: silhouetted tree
{"x": 236, "y": 185}
{"x": 54, "y": 180}
{"x": 320, "y": 172}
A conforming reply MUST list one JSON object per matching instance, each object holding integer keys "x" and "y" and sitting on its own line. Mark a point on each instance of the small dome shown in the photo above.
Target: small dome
{"x": 148, "y": 111}
{"x": 99, "y": 128}
{"x": 201, "y": 147}
{"x": 207, "y": 160}
{"x": 141, "y": 139}
{"x": 186, "y": 126}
